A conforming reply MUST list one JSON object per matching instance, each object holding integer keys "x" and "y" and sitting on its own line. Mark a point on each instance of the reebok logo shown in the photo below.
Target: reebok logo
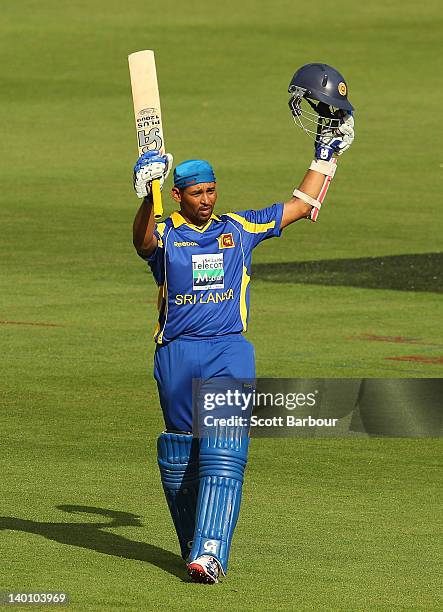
{"x": 185, "y": 244}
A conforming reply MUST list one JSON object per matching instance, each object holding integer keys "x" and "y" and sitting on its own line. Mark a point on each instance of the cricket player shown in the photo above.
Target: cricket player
{"x": 201, "y": 263}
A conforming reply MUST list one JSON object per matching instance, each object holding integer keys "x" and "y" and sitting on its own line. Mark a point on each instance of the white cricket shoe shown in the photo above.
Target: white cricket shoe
{"x": 204, "y": 569}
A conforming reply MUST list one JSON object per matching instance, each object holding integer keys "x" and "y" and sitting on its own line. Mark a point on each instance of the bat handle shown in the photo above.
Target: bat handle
{"x": 157, "y": 197}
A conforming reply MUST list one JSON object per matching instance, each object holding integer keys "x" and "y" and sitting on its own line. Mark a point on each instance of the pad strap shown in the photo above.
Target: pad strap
{"x": 306, "y": 198}
{"x": 327, "y": 168}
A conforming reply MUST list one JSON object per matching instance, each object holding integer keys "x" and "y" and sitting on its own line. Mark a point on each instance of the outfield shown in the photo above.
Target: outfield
{"x": 347, "y": 524}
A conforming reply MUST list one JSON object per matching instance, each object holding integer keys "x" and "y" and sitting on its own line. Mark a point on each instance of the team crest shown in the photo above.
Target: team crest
{"x": 342, "y": 89}
{"x": 226, "y": 241}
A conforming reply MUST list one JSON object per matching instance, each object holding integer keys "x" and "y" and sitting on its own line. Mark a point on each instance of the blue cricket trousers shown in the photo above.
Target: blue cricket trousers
{"x": 192, "y": 357}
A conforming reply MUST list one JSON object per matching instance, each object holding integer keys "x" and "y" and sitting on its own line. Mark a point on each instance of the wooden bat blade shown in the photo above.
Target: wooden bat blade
{"x": 146, "y": 98}
{"x": 147, "y": 112}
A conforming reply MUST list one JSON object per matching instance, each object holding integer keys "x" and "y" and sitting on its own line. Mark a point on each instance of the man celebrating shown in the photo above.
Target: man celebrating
{"x": 201, "y": 263}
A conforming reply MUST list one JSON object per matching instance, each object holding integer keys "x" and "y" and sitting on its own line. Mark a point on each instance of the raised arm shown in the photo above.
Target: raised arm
{"x": 143, "y": 238}
{"x": 296, "y": 208}
{"x": 308, "y": 198}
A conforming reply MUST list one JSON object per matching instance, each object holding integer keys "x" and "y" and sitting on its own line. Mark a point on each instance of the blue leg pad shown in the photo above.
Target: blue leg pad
{"x": 223, "y": 459}
{"x": 178, "y": 463}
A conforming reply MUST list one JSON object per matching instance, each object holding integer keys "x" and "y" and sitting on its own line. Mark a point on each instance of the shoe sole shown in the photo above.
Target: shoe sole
{"x": 198, "y": 574}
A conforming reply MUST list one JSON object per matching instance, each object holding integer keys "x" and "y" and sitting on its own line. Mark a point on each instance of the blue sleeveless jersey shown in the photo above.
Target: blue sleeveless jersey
{"x": 203, "y": 273}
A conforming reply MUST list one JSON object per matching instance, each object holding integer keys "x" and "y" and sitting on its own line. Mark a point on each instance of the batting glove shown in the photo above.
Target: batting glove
{"x": 335, "y": 140}
{"x": 151, "y": 165}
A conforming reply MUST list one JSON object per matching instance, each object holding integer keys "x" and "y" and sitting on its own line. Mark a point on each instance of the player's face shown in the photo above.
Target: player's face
{"x": 196, "y": 202}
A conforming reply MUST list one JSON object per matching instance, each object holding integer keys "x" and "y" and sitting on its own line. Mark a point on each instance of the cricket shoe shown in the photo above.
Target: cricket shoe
{"x": 204, "y": 569}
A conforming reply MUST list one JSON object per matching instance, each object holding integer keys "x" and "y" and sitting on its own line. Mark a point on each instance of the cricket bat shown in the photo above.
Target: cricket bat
{"x": 148, "y": 119}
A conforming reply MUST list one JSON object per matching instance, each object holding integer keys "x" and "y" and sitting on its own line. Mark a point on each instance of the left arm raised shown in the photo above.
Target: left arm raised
{"x": 307, "y": 199}
{"x": 295, "y": 208}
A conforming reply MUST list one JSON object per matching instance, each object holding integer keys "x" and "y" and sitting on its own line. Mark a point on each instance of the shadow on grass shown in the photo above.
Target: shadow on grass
{"x": 91, "y": 535}
{"x": 420, "y": 272}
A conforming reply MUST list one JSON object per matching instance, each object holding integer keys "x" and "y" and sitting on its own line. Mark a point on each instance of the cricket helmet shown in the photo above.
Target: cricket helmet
{"x": 325, "y": 85}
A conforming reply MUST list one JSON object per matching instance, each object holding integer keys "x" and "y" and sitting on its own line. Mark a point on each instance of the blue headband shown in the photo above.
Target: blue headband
{"x": 193, "y": 172}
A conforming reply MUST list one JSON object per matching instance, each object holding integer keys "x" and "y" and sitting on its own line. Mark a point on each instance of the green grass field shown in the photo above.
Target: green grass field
{"x": 330, "y": 524}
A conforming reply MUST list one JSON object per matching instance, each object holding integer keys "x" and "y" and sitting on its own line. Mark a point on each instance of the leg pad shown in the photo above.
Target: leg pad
{"x": 222, "y": 464}
{"x": 178, "y": 463}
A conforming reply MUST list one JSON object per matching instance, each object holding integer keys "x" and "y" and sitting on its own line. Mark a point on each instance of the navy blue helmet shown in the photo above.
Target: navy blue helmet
{"x": 323, "y": 83}
{"x": 326, "y": 91}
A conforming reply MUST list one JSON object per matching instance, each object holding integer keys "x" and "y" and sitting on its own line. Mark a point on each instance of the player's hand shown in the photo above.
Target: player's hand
{"x": 150, "y": 166}
{"x": 335, "y": 141}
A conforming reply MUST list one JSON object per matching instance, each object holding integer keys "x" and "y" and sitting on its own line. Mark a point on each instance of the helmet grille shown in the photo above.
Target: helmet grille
{"x": 313, "y": 123}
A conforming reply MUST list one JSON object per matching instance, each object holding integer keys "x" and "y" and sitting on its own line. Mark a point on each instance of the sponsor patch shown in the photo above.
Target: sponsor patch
{"x": 342, "y": 89}
{"x": 208, "y": 272}
{"x": 149, "y": 133}
{"x": 226, "y": 241}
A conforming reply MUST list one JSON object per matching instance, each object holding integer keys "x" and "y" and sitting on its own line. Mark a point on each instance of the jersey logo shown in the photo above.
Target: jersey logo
{"x": 208, "y": 272}
{"x": 185, "y": 244}
{"x": 226, "y": 241}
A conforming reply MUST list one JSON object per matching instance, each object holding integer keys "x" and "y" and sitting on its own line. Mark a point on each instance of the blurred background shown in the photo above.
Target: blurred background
{"x": 354, "y": 295}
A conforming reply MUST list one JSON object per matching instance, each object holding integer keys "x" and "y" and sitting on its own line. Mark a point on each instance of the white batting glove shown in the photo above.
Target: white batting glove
{"x": 150, "y": 166}
{"x": 337, "y": 140}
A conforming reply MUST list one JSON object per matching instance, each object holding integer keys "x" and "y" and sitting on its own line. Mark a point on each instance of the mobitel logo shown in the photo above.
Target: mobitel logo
{"x": 208, "y": 272}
